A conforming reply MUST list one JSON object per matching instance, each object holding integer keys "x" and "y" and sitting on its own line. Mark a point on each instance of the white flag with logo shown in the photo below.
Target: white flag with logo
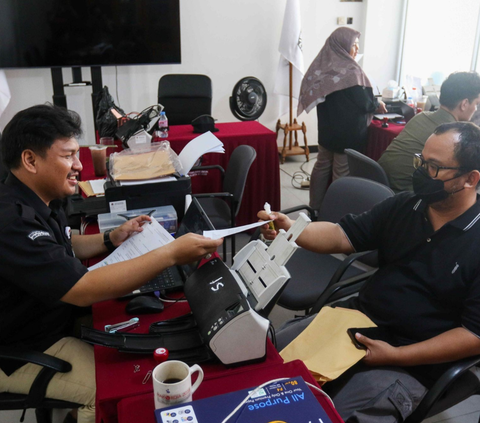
{"x": 291, "y": 51}
{"x": 4, "y": 92}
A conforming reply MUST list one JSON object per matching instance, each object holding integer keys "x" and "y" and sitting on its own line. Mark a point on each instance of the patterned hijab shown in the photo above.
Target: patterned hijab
{"x": 332, "y": 70}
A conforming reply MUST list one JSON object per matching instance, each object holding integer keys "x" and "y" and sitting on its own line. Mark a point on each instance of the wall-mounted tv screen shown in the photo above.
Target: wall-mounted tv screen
{"x": 70, "y": 33}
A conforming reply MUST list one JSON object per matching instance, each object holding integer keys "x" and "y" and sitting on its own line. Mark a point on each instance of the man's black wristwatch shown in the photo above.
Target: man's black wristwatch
{"x": 107, "y": 242}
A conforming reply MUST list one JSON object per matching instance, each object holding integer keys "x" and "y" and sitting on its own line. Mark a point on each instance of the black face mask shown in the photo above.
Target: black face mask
{"x": 428, "y": 189}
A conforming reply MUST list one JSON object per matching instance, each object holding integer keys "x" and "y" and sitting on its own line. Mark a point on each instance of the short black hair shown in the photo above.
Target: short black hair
{"x": 37, "y": 128}
{"x": 459, "y": 86}
{"x": 467, "y": 149}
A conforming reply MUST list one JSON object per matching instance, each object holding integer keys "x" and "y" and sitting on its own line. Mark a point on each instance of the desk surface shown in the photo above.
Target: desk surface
{"x": 116, "y": 377}
{"x": 140, "y": 408}
{"x": 380, "y": 138}
{"x": 263, "y": 182}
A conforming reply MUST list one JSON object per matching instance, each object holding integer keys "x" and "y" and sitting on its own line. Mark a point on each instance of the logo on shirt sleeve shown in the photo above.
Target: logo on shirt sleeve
{"x": 35, "y": 234}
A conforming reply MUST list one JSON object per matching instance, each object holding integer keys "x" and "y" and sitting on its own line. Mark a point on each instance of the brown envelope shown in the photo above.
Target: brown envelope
{"x": 324, "y": 346}
{"x": 134, "y": 167}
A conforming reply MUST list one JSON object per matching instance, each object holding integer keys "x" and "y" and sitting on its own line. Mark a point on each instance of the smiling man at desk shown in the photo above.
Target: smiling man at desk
{"x": 43, "y": 281}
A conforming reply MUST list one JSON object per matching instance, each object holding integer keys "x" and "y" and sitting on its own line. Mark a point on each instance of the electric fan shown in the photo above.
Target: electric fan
{"x": 249, "y": 99}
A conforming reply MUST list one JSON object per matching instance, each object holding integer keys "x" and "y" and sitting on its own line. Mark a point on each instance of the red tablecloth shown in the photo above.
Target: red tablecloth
{"x": 115, "y": 375}
{"x": 140, "y": 408}
{"x": 263, "y": 183}
{"x": 380, "y": 138}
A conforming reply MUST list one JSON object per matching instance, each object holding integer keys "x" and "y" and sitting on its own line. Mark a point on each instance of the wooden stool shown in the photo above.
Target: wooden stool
{"x": 295, "y": 149}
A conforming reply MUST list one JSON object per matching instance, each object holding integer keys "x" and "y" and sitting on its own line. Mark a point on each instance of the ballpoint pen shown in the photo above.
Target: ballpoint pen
{"x": 268, "y": 209}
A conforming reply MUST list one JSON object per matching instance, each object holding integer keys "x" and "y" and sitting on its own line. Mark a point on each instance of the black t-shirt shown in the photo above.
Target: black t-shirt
{"x": 38, "y": 268}
{"x": 428, "y": 282}
{"x": 343, "y": 118}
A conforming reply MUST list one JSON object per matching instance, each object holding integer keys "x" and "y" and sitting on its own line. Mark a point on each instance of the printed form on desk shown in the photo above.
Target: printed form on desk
{"x": 152, "y": 237}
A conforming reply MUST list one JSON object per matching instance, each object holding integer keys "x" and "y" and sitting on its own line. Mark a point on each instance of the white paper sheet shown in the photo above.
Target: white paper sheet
{"x": 97, "y": 186}
{"x": 388, "y": 116}
{"x": 153, "y": 236}
{"x": 149, "y": 181}
{"x": 205, "y": 143}
{"x": 217, "y": 234}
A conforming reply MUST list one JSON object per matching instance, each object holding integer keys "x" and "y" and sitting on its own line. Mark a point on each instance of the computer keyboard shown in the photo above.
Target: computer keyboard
{"x": 169, "y": 280}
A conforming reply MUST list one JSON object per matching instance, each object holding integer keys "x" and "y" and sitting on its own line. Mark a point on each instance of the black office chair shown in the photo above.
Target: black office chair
{"x": 455, "y": 385}
{"x": 365, "y": 167}
{"x": 36, "y": 397}
{"x": 185, "y": 97}
{"x": 223, "y": 207}
{"x": 311, "y": 273}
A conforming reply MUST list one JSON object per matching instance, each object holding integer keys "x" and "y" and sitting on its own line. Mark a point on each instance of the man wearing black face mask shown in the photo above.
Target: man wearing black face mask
{"x": 426, "y": 292}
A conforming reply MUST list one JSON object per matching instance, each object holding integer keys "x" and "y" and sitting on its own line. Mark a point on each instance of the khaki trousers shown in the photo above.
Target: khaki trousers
{"x": 328, "y": 165}
{"x": 78, "y": 385}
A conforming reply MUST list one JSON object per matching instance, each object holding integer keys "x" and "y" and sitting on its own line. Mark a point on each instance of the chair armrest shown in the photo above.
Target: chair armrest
{"x": 456, "y": 370}
{"x": 42, "y": 359}
{"x": 209, "y": 167}
{"x": 51, "y": 365}
{"x": 334, "y": 289}
{"x": 350, "y": 259}
{"x": 313, "y": 213}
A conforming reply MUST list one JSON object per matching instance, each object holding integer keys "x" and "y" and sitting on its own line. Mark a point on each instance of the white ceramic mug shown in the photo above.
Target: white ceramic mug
{"x": 172, "y": 383}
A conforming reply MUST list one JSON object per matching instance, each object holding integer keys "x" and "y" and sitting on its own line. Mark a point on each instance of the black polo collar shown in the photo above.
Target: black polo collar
{"x": 29, "y": 196}
{"x": 464, "y": 222}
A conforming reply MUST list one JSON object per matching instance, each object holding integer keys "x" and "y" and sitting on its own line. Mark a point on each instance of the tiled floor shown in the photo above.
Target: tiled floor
{"x": 466, "y": 412}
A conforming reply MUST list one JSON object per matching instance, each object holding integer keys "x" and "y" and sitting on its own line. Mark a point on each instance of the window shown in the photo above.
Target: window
{"x": 440, "y": 38}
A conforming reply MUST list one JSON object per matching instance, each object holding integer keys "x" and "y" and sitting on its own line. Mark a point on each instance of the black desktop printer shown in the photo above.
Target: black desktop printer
{"x": 120, "y": 197}
{"x": 133, "y": 197}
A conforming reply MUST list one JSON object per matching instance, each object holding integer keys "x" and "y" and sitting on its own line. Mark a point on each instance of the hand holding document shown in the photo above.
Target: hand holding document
{"x": 152, "y": 237}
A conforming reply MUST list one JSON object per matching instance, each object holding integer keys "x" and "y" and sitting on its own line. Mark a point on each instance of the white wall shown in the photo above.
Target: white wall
{"x": 382, "y": 40}
{"x": 225, "y": 39}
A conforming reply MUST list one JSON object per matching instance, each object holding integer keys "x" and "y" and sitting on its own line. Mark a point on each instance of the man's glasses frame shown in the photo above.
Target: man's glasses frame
{"x": 431, "y": 168}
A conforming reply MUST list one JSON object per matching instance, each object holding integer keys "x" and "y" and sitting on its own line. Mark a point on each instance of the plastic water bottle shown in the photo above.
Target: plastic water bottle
{"x": 415, "y": 97}
{"x": 162, "y": 125}
{"x": 410, "y": 102}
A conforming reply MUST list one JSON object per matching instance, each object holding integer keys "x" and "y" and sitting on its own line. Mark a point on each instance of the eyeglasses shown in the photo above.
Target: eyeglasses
{"x": 432, "y": 169}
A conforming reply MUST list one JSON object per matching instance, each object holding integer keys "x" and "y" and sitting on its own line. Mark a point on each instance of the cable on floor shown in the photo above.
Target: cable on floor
{"x": 301, "y": 178}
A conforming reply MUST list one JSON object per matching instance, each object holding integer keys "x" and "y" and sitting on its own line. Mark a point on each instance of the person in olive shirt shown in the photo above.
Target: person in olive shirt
{"x": 43, "y": 282}
{"x": 459, "y": 97}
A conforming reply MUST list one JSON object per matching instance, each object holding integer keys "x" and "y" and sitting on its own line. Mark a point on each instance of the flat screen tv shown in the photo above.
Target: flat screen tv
{"x": 71, "y": 33}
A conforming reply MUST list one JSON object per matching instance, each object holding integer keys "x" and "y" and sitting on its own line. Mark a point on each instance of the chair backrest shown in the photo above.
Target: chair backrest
{"x": 351, "y": 195}
{"x": 237, "y": 172}
{"x": 185, "y": 97}
{"x": 364, "y": 167}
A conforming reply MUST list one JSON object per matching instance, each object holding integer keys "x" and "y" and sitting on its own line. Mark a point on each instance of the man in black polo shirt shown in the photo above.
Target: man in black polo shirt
{"x": 42, "y": 279}
{"x": 427, "y": 289}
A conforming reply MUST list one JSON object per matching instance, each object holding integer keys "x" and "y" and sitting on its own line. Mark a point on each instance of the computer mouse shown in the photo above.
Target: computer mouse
{"x": 144, "y": 304}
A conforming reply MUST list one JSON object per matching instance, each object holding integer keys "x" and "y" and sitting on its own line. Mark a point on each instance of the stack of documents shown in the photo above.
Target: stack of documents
{"x": 93, "y": 187}
{"x": 154, "y": 165}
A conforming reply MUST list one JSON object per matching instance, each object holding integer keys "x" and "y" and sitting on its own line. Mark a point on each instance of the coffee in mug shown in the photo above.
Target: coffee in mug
{"x": 172, "y": 383}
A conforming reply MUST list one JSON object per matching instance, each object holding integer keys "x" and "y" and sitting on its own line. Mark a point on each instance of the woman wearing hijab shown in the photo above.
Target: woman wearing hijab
{"x": 342, "y": 93}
